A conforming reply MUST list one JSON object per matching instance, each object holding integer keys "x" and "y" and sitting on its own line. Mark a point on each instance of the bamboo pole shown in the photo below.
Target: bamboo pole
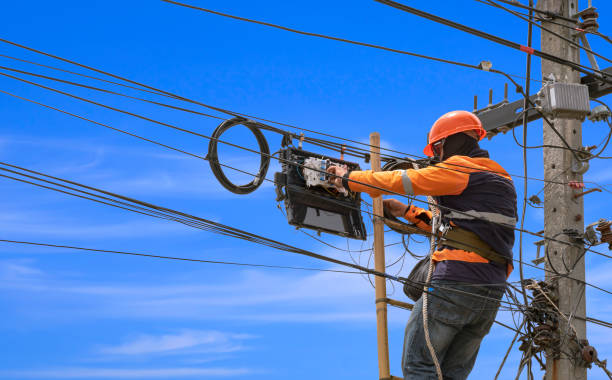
{"x": 379, "y": 264}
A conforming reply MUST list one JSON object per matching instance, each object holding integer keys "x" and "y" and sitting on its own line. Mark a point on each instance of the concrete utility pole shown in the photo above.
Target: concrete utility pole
{"x": 561, "y": 210}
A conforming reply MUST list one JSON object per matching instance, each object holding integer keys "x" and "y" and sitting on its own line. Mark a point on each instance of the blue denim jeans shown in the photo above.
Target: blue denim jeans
{"x": 457, "y": 323}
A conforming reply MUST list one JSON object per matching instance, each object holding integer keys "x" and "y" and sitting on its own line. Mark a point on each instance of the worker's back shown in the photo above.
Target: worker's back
{"x": 486, "y": 207}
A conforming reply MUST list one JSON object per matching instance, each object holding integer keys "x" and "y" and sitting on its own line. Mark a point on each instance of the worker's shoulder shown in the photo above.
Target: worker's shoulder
{"x": 476, "y": 164}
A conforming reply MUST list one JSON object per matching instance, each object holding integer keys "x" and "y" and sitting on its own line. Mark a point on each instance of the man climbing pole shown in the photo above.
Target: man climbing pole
{"x": 477, "y": 203}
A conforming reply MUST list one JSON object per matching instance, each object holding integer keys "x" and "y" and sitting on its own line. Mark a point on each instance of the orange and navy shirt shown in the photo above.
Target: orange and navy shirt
{"x": 475, "y": 193}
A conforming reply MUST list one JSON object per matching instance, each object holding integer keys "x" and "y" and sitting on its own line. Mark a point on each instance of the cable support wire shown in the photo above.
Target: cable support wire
{"x": 294, "y": 163}
{"x": 525, "y": 106}
{"x": 97, "y": 250}
{"x": 251, "y": 174}
{"x": 529, "y": 50}
{"x": 536, "y": 10}
{"x": 338, "y": 147}
{"x": 144, "y": 208}
{"x": 550, "y": 17}
{"x": 310, "y": 34}
{"x": 530, "y": 21}
{"x": 115, "y": 200}
{"x": 479, "y": 33}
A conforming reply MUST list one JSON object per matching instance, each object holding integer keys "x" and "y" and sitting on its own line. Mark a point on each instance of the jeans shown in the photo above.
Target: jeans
{"x": 457, "y": 323}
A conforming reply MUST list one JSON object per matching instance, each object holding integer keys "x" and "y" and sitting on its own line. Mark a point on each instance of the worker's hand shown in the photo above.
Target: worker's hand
{"x": 336, "y": 179}
{"x": 395, "y": 207}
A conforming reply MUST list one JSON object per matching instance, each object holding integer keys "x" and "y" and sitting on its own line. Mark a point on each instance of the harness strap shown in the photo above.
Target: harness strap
{"x": 460, "y": 238}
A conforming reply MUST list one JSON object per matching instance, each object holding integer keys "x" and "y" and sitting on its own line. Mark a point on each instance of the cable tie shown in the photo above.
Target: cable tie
{"x": 527, "y": 49}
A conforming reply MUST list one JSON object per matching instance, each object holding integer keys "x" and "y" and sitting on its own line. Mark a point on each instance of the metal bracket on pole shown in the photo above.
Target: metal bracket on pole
{"x": 500, "y": 118}
{"x": 585, "y": 43}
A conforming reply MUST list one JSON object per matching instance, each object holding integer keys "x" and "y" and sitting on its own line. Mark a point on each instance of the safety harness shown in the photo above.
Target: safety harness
{"x": 452, "y": 236}
{"x": 459, "y": 238}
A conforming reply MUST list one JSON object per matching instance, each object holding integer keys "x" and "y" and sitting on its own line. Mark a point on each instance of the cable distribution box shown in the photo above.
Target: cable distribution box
{"x": 565, "y": 100}
{"x": 311, "y": 202}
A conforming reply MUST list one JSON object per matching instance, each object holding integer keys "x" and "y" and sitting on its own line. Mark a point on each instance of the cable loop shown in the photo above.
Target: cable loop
{"x": 213, "y": 157}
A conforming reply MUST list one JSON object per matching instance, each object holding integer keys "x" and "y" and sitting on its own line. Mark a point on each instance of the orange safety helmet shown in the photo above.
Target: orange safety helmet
{"x": 451, "y": 123}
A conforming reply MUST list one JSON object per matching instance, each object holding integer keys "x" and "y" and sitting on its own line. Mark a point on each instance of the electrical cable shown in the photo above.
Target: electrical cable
{"x": 540, "y": 54}
{"x": 525, "y": 108}
{"x": 109, "y": 92}
{"x": 224, "y": 230}
{"x": 534, "y": 9}
{"x": 310, "y": 34}
{"x": 213, "y": 157}
{"x": 529, "y": 20}
{"x": 125, "y": 203}
{"x": 175, "y": 258}
{"x": 329, "y": 145}
{"x": 279, "y": 159}
{"x": 335, "y": 146}
{"x": 464, "y": 28}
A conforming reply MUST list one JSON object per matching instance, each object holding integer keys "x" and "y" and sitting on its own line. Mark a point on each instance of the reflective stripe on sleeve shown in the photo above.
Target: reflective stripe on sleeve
{"x": 407, "y": 183}
{"x": 488, "y": 216}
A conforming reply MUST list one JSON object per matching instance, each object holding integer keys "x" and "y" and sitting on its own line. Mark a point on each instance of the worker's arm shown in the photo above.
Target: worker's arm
{"x": 438, "y": 179}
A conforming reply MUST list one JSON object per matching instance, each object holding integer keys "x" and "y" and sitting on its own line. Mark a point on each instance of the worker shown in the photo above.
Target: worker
{"x": 477, "y": 203}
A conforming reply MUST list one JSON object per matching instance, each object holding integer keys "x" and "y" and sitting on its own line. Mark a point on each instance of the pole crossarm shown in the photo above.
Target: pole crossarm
{"x": 502, "y": 117}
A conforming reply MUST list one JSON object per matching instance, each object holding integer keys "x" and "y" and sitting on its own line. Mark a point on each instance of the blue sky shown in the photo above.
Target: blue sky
{"x": 70, "y": 315}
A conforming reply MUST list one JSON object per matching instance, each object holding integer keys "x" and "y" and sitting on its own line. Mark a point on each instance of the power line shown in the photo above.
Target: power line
{"x": 124, "y": 204}
{"x": 310, "y": 34}
{"x": 571, "y": 42}
{"x": 322, "y": 143}
{"x": 177, "y": 97}
{"x": 176, "y": 258}
{"x": 215, "y": 227}
{"x": 534, "y": 9}
{"x": 479, "y": 33}
{"x": 293, "y": 163}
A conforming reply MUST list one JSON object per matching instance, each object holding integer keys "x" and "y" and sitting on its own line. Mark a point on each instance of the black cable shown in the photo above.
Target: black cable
{"x": 156, "y": 91}
{"x": 109, "y": 92}
{"x": 157, "y": 211}
{"x": 529, "y": 20}
{"x": 326, "y": 144}
{"x": 606, "y": 139}
{"x": 525, "y": 111}
{"x": 329, "y": 37}
{"x": 175, "y": 258}
{"x": 237, "y": 233}
{"x": 521, "y": 145}
{"x": 277, "y": 158}
{"x": 496, "y": 39}
{"x": 213, "y": 157}
{"x": 534, "y": 9}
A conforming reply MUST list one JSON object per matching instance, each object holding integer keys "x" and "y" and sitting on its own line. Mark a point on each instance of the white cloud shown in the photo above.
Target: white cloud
{"x": 125, "y": 373}
{"x": 186, "y": 341}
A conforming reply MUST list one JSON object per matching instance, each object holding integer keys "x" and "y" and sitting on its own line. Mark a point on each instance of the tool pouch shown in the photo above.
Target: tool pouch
{"x": 413, "y": 287}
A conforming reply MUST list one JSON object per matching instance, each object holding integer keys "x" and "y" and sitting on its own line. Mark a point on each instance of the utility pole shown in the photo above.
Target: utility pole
{"x": 562, "y": 211}
{"x": 379, "y": 264}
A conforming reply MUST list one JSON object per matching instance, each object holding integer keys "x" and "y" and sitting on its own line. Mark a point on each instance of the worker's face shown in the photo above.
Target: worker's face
{"x": 438, "y": 148}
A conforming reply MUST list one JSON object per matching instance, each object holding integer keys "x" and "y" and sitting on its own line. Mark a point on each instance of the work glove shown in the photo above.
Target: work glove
{"x": 420, "y": 217}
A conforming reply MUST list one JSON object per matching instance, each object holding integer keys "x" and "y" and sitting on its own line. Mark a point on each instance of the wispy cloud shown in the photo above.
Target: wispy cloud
{"x": 313, "y": 298}
{"x": 51, "y": 224}
{"x": 186, "y": 341}
{"x": 124, "y": 373}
